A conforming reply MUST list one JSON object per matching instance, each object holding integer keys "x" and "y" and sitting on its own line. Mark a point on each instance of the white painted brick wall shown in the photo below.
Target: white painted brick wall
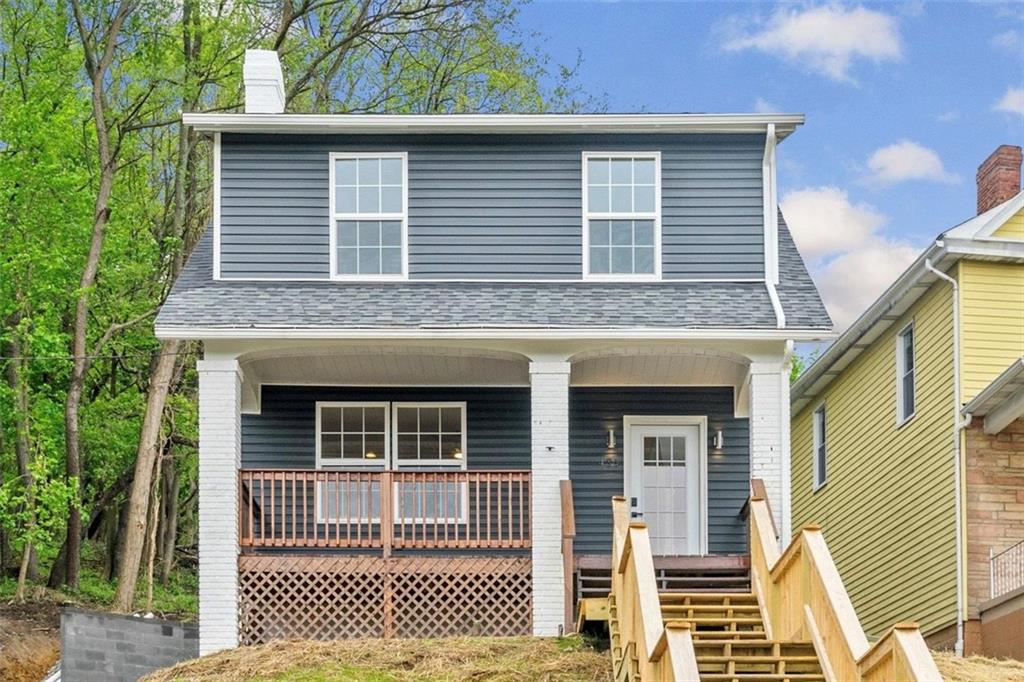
{"x": 769, "y": 437}
{"x": 220, "y": 440}
{"x": 549, "y": 390}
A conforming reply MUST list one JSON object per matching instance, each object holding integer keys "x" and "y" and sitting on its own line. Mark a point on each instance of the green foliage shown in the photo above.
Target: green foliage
{"x": 173, "y": 55}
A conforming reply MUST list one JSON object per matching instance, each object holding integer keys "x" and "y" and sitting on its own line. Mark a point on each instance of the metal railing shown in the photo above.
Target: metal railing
{"x": 384, "y": 509}
{"x": 1006, "y": 569}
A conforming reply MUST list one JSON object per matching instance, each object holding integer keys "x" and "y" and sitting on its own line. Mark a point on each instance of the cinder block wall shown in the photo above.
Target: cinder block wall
{"x": 108, "y": 647}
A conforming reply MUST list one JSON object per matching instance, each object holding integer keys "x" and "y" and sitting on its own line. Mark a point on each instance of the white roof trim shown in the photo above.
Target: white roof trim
{"x": 986, "y": 224}
{"x": 545, "y": 333}
{"x": 988, "y": 398}
{"x": 493, "y": 123}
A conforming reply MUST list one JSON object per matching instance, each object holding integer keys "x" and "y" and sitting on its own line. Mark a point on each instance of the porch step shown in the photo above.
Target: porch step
{"x": 731, "y": 644}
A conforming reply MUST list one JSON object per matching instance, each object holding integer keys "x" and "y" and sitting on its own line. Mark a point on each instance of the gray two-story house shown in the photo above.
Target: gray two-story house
{"x": 432, "y": 343}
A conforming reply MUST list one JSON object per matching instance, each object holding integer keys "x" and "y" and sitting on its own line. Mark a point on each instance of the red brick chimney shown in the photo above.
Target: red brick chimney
{"x": 999, "y": 177}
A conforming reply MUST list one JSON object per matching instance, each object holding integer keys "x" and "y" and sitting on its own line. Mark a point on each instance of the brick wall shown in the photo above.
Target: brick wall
{"x": 999, "y": 177}
{"x": 105, "y": 647}
{"x": 995, "y": 502}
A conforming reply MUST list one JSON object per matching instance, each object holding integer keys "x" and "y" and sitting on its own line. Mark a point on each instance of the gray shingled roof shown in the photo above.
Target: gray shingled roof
{"x": 198, "y": 301}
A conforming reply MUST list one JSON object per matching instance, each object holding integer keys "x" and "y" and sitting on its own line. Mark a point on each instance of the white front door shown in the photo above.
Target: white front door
{"x": 664, "y": 485}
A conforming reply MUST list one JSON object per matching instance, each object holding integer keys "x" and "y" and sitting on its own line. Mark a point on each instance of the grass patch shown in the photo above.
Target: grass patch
{"x": 179, "y": 599}
{"x": 476, "y": 658}
{"x": 978, "y": 669}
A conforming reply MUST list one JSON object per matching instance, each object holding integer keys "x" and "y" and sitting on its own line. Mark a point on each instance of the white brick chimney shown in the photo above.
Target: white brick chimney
{"x": 264, "y": 83}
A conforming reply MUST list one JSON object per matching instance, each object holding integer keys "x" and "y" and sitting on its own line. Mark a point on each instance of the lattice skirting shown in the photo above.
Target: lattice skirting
{"x": 341, "y": 597}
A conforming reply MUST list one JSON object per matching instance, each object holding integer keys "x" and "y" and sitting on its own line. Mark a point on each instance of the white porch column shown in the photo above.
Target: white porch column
{"x": 769, "y": 438}
{"x": 549, "y": 422}
{"x": 220, "y": 440}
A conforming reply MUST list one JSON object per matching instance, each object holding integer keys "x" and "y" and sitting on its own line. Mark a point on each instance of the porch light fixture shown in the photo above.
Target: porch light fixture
{"x": 718, "y": 442}
{"x": 610, "y": 443}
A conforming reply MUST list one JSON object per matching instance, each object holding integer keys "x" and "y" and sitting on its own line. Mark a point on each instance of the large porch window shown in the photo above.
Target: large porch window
{"x": 400, "y": 437}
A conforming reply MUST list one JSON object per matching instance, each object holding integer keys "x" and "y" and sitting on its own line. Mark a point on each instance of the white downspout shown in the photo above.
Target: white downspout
{"x": 958, "y": 425}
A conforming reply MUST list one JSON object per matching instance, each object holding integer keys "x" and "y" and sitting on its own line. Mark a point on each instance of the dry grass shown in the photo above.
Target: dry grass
{"x": 491, "y": 659}
{"x": 27, "y": 658}
{"x": 978, "y": 669}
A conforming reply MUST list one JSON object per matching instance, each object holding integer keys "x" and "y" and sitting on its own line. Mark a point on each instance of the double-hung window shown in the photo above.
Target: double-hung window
{"x": 621, "y": 215}
{"x": 404, "y": 437}
{"x": 369, "y": 215}
{"x": 820, "y": 447}
{"x": 905, "y": 375}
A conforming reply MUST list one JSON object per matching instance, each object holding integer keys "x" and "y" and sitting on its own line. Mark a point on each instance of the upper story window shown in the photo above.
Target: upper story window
{"x": 820, "y": 447}
{"x": 906, "y": 365}
{"x": 622, "y": 215}
{"x": 369, "y": 215}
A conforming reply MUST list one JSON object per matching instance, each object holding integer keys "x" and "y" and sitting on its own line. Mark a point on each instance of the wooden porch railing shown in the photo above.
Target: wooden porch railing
{"x": 663, "y": 651}
{"x": 803, "y": 599}
{"x": 384, "y": 510}
{"x": 568, "y": 537}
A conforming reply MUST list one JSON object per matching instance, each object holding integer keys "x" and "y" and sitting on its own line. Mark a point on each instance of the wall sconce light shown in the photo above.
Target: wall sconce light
{"x": 610, "y": 443}
{"x": 718, "y": 442}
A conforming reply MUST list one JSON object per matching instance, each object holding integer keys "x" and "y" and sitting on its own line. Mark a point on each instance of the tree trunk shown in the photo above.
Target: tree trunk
{"x": 97, "y": 64}
{"x": 138, "y": 502}
{"x": 170, "y": 525}
{"x": 18, "y": 381}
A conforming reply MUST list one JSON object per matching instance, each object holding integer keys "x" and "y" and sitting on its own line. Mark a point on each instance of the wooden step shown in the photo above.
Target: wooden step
{"x": 732, "y": 597}
{"x": 758, "y": 659}
{"x": 760, "y": 677}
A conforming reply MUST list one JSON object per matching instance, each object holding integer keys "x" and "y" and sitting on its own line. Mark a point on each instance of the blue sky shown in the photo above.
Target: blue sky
{"x": 903, "y": 101}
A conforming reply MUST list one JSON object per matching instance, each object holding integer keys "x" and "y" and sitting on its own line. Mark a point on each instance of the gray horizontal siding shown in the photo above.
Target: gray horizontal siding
{"x": 283, "y": 435}
{"x": 481, "y": 207}
{"x": 592, "y": 411}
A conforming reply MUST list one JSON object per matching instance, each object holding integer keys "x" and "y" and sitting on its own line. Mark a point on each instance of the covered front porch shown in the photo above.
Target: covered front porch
{"x": 415, "y": 489}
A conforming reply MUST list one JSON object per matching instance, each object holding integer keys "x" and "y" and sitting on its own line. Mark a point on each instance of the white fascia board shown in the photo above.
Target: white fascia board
{"x": 985, "y": 248}
{"x": 646, "y": 333}
{"x": 493, "y": 123}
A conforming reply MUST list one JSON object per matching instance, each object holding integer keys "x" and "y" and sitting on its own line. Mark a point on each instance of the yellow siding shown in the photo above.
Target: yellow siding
{"x": 887, "y": 508}
{"x": 1012, "y": 228}
{"x": 992, "y": 303}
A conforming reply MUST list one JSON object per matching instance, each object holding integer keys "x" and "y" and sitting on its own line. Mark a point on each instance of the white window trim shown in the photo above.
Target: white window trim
{"x": 335, "y": 216}
{"x": 330, "y": 463}
{"x": 901, "y": 370}
{"x": 397, "y": 463}
{"x": 820, "y": 477}
{"x": 415, "y": 464}
{"x": 655, "y": 216}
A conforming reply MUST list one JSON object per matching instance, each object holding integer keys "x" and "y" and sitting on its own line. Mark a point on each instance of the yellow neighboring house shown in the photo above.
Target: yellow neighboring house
{"x": 908, "y": 435}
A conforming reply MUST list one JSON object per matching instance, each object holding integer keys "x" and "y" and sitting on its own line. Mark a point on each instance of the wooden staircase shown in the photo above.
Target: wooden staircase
{"x": 795, "y": 622}
{"x": 729, "y": 641}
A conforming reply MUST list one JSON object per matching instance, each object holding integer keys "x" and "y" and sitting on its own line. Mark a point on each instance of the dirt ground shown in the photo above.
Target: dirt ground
{"x": 29, "y": 639}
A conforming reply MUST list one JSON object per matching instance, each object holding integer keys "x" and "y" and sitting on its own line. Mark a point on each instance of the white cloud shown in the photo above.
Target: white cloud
{"x": 1012, "y": 102}
{"x": 824, "y": 221}
{"x": 850, "y": 282}
{"x": 906, "y": 160}
{"x": 951, "y": 116}
{"x": 763, "y": 106}
{"x": 826, "y": 39}
{"x": 851, "y": 263}
{"x": 1011, "y": 41}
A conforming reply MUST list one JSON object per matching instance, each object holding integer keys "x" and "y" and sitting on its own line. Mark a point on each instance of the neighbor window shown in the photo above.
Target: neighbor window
{"x": 622, "y": 214}
{"x": 369, "y": 215}
{"x": 820, "y": 448}
{"x": 905, "y": 374}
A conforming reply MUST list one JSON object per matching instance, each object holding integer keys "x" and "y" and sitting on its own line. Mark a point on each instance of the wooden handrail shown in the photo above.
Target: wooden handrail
{"x": 385, "y": 509}
{"x": 663, "y": 651}
{"x": 568, "y": 537}
{"x": 803, "y": 599}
